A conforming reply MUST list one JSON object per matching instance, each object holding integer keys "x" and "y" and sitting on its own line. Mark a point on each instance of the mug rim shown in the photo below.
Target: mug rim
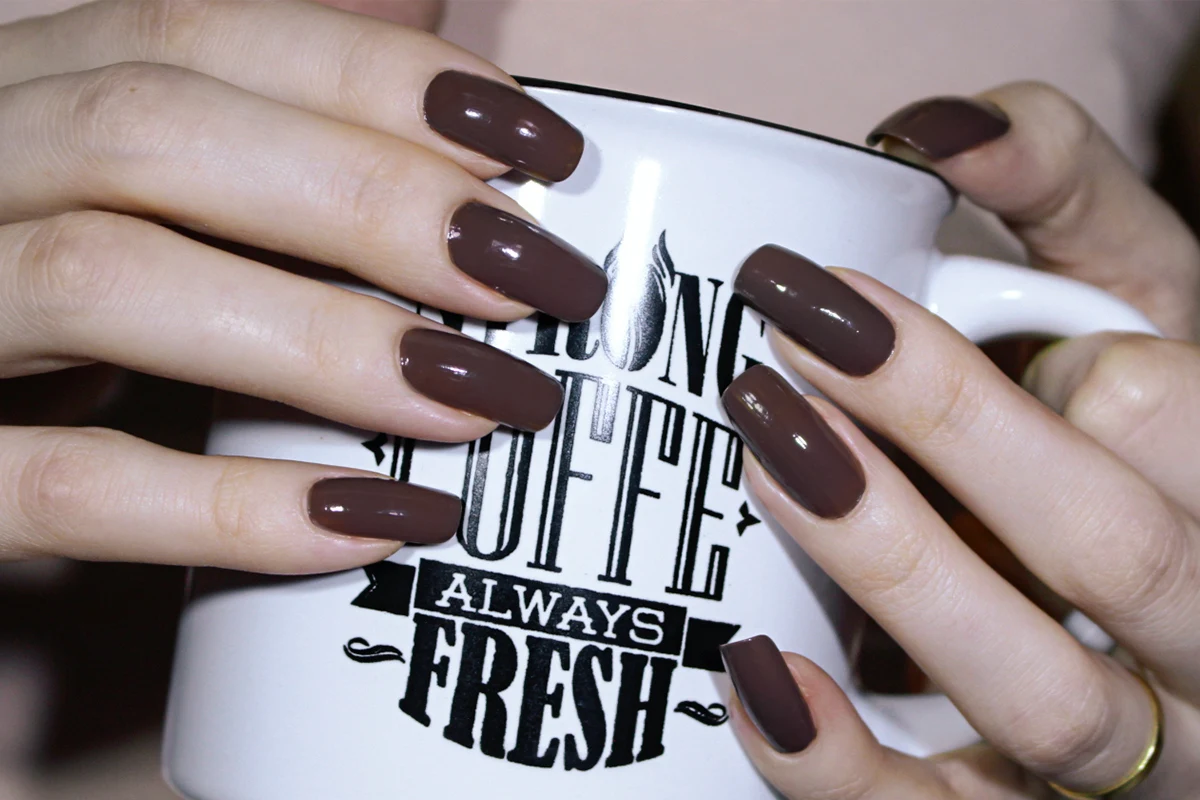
{"x": 643, "y": 99}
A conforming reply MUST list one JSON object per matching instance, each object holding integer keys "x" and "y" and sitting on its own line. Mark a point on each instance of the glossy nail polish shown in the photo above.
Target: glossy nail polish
{"x": 378, "y": 508}
{"x": 941, "y": 127}
{"x": 769, "y": 693}
{"x": 502, "y": 123}
{"x": 814, "y": 307}
{"x": 795, "y": 445}
{"x": 474, "y": 377}
{"x": 525, "y": 262}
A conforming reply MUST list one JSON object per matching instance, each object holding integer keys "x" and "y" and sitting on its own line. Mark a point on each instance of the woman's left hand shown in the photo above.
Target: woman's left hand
{"x": 1102, "y": 503}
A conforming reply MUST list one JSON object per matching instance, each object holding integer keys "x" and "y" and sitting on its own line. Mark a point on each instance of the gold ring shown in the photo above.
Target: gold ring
{"x": 1144, "y": 764}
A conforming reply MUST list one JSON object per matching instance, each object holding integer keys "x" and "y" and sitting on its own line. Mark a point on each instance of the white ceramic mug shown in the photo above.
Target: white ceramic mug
{"x": 564, "y": 645}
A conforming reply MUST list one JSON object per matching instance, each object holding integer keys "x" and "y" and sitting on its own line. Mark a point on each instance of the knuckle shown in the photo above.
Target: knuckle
{"x": 168, "y": 28}
{"x": 360, "y": 85}
{"x": 234, "y": 515}
{"x": 1072, "y": 125}
{"x": 358, "y": 75}
{"x": 1063, "y": 197}
{"x": 905, "y": 577}
{"x": 856, "y": 785}
{"x": 1133, "y": 562}
{"x": 322, "y": 342}
{"x": 368, "y": 188}
{"x": 952, "y": 402}
{"x": 1126, "y": 389}
{"x": 119, "y": 113}
{"x": 70, "y": 265}
{"x": 1066, "y": 728}
{"x": 62, "y": 482}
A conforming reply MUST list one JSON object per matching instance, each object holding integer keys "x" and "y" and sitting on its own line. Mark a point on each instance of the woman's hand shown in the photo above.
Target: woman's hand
{"x": 303, "y": 130}
{"x": 1102, "y": 503}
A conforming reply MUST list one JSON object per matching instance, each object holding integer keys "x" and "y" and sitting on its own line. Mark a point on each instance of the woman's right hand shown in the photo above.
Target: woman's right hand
{"x": 298, "y": 129}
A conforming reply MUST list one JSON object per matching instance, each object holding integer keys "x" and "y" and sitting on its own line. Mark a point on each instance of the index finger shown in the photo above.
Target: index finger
{"x": 1037, "y": 159}
{"x": 346, "y": 66}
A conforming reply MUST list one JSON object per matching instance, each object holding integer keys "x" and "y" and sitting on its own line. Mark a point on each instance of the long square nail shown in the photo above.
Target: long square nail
{"x": 480, "y": 379}
{"x": 769, "y": 693}
{"x": 378, "y": 508}
{"x": 817, "y": 309}
{"x": 794, "y": 443}
{"x": 502, "y": 123}
{"x": 525, "y": 262}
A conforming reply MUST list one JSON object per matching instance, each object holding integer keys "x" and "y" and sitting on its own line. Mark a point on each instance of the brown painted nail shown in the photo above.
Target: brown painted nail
{"x": 474, "y": 377}
{"x": 769, "y": 693}
{"x": 504, "y": 124}
{"x": 525, "y": 262}
{"x": 814, "y": 307}
{"x": 794, "y": 443}
{"x": 941, "y": 127}
{"x": 378, "y": 508}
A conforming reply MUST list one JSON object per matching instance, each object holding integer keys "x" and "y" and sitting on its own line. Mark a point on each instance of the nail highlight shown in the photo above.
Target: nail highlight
{"x": 477, "y": 378}
{"x": 769, "y": 693}
{"x": 941, "y": 127}
{"x": 504, "y": 124}
{"x": 795, "y": 445}
{"x": 525, "y": 262}
{"x": 378, "y": 508}
{"x": 814, "y": 307}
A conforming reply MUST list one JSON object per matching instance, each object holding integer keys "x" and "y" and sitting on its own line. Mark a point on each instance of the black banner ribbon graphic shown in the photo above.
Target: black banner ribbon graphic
{"x": 702, "y": 648}
{"x": 553, "y": 609}
{"x": 390, "y": 588}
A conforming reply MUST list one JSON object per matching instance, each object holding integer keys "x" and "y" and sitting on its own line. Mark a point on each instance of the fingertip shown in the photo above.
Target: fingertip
{"x": 827, "y": 701}
{"x": 1058, "y": 371}
{"x": 769, "y": 695}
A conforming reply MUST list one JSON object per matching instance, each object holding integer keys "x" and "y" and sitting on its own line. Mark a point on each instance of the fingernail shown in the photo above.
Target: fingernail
{"x": 769, "y": 693}
{"x": 474, "y": 377}
{"x": 504, "y": 124}
{"x": 814, "y": 307}
{"x": 941, "y": 127}
{"x": 378, "y": 508}
{"x": 794, "y": 443}
{"x": 525, "y": 262}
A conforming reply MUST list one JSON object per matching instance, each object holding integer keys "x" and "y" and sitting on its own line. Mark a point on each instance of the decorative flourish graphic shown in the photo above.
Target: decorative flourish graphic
{"x": 712, "y": 715}
{"x": 360, "y": 650}
{"x": 635, "y": 310}
{"x": 747, "y": 519}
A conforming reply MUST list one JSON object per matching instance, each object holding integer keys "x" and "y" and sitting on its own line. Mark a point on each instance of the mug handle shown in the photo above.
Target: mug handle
{"x": 986, "y": 299}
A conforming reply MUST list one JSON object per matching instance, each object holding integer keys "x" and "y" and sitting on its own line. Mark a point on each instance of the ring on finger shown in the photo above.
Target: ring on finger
{"x": 1145, "y": 763}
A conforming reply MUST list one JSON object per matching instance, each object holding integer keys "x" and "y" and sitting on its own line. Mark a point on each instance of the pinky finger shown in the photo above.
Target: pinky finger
{"x": 100, "y": 495}
{"x": 804, "y": 736}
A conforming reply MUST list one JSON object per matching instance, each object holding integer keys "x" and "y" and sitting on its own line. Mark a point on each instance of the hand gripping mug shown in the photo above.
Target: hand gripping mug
{"x": 565, "y": 643}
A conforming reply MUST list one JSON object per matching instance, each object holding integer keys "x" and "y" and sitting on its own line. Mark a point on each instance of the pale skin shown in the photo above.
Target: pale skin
{"x": 1099, "y": 500}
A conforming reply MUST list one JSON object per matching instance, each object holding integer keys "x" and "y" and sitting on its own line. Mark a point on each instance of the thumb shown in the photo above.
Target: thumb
{"x": 1034, "y": 157}
{"x": 1059, "y": 369}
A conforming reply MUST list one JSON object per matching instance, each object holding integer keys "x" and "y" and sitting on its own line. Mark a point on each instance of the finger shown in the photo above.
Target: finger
{"x": 352, "y": 68}
{"x": 1136, "y": 396}
{"x": 108, "y": 288}
{"x": 1018, "y": 676}
{"x": 101, "y": 495}
{"x": 1064, "y": 189}
{"x": 143, "y": 139}
{"x": 1081, "y": 519}
{"x": 806, "y": 738}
